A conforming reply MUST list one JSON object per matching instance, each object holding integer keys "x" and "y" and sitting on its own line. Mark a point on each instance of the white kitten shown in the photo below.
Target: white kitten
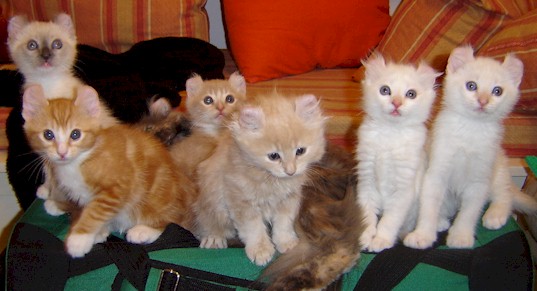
{"x": 467, "y": 167}
{"x": 390, "y": 152}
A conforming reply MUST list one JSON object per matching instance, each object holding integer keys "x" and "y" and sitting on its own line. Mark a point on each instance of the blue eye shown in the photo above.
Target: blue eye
{"x": 57, "y": 44}
{"x": 471, "y": 86}
{"x": 385, "y": 90}
{"x": 230, "y": 99}
{"x": 75, "y": 134}
{"x": 300, "y": 151}
{"x": 274, "y": 156}
{"x": 48, "y": 134}
{"x": 497, "y": 91}
{"x": 208, "y": 100}
{"x": 411, "y": 94}
{"x": 32, "y": 45}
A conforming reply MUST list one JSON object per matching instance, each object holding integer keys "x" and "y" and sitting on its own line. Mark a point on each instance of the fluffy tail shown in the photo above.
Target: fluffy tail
{"x": 328, "y": 227}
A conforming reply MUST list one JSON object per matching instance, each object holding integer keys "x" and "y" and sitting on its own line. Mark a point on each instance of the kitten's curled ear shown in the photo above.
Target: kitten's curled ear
{"x": 160, "y": 107}
{"x": 374, "y": 65}
{"x": 88, "y": 99}
{"x": 15, "y": 25}
{"x": 238, "y": 82}
{"x": 428, "y": 73}
{"x": 515, "y": 67}
{"x": 251, "y": 118}
{"x": 308, "y": 108}
{"x": 458, "y": 57}
{"x": 65, "y": 21}
{"x": 193, "y": 85}
{"x": 33, "y": 100}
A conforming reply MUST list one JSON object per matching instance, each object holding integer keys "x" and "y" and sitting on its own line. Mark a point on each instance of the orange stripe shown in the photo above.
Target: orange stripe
{"x": 110, "y": 23}
{"x": 139, "y": 20}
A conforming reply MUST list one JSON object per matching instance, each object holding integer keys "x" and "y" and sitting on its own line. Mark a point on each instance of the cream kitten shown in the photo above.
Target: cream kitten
{"x": 390, "y": 151}
{"x": 122, "y": 178}
{"x": 208, "y": 104}
{"x": 255, "y": 176}
{"x": 467, "y": 167}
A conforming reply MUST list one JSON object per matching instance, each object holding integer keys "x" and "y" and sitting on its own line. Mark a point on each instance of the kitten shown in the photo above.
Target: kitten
{"x": 45, "y": 53}
{"x": 467, "y": 167}
{"x": 167, "y": 125}
{"x": 208, "y": 104}
{"x": 328, "y": 223}
{"x": 122, "y": 178}
{"x": 390, "y": 150}
{"x": 255, "y": 176}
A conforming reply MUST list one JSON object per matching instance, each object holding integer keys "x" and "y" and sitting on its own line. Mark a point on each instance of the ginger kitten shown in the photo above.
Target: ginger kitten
{"x": 122, "y": 178}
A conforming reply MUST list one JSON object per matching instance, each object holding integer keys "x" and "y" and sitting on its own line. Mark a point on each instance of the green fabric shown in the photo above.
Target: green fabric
{"x": 532, "y": 163}
{"x": 233, "y": 261}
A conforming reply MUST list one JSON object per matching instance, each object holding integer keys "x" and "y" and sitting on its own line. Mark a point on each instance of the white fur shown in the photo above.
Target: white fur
{"x": 390, "y": 152}
{"x": 467, "y": 166}
{"x": 78, "y": 245}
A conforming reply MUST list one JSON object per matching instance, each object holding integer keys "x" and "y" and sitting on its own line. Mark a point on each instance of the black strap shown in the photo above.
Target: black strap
{"x": 502, "y": 264}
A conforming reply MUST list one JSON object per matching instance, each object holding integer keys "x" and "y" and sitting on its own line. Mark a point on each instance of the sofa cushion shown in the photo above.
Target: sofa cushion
{"x": 115, "y": 26}
{"x": 275, "y": 38}
{"x": 519, "y": 36}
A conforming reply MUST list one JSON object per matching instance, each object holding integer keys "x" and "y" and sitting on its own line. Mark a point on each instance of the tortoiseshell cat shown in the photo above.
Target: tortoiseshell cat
{"x": 123, "y": 179}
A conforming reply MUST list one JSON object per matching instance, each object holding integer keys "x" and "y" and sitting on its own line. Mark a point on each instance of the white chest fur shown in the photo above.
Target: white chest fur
{"x": 71, "y": 179}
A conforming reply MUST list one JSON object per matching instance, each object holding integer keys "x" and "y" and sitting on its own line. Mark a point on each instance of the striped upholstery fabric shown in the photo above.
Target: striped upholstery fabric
{"x": 115, "y": 25}
{"x": 513, "y": 8}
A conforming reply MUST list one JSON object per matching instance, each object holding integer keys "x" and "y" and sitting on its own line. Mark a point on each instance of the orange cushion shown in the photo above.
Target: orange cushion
{"x": 519, "y": 36}
{"x": 274, "y": 38}
{"x": 119, "y": 24}
{"x": 513, "y": 8}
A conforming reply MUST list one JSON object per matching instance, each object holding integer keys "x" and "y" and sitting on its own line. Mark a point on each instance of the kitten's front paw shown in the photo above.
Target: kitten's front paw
{"x": 213, "y": 242}
{"x": 143, "y": 234}
{"x": 52, "y": 208}
{"x": 495, "y": 217}
{"x": 102, "y": 235}
{"x": 42, "y": 192}
{"x": 419, "y": 240}
{"x": 443, "y": 225}
{"x": 460, "y": 240}
{"x": 78, "y": 245}
{"x": 379, "y": 244}
{"x": 367, "y": 237}
{"x": 285, "y": 243}
{"x": 260, "y": 253}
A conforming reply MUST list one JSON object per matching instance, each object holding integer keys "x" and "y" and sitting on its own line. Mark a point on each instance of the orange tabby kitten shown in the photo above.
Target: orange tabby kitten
{"x": 208, "y": 104}
{"x": 255, "y": 176}
{"x": 123, "y": 178}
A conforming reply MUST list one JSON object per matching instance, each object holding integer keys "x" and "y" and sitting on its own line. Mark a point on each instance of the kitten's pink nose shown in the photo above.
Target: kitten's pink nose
{"x": 483, "y": 100}
{"x": 397, "y": 102}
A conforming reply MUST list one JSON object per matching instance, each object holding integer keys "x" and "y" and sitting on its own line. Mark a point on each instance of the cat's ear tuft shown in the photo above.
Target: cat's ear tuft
{"x": 238, "y": 82}
{"x": 458, "y": 57}
{"x": 33, "y": 100}
{"x": 88, "y": 99}
{"x": 15, "y": 26}
{"x": 160, "y": 107}
{"x": 65, "y": 21}
{"x": 193, "y": 85}
{"x": 428, "y": 73}
{"x": 307, "y": 107}
{"x": 251, "y": 118}
{"x": 515, "y": 67}
{"x": 374, "y": 65}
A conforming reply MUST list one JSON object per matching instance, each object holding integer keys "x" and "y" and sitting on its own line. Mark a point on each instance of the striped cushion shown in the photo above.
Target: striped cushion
{"x": 513, "y": 8}
{"x": 115, "y": 25}
{"x": 519, "y": 36}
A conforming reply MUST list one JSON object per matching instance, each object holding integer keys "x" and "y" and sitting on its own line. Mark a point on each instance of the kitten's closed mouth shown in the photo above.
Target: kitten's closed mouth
{"x": 395, "y": 112}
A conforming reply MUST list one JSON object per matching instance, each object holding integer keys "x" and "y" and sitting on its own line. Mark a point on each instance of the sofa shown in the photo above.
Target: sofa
{"x": 299, "y": 47}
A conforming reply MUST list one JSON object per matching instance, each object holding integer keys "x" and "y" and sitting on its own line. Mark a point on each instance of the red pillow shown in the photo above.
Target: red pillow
{"x": 273, "y": 38}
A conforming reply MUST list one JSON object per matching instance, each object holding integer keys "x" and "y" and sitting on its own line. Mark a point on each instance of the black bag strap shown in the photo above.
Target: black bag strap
{"x": 36, "y": 258}
{"x": 502, "y": 264}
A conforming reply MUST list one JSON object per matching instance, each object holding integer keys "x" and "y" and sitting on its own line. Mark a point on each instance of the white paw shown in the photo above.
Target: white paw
{"x": 78, "y": 245}
{"x": 102, "y": 235}
{"x": 443, "y": 224}
{"x": 367, "y": 237}
{"x": 260, "y": 253}
{"x": 460, "y": 240}
{"x": 379, "y": 244}
{"x": 143, "y": 234}
{"x": 213, "y": 242}
{"x": 419, "y": 240}
{"x": 52, "y": 208}
{"x": 42, "y": 192}
{"x": 285, "y": 243}
{"x": 495, "y": 217}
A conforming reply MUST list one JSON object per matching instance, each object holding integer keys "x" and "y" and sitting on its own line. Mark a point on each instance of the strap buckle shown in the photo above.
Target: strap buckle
{"x": 169, "y": 280}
